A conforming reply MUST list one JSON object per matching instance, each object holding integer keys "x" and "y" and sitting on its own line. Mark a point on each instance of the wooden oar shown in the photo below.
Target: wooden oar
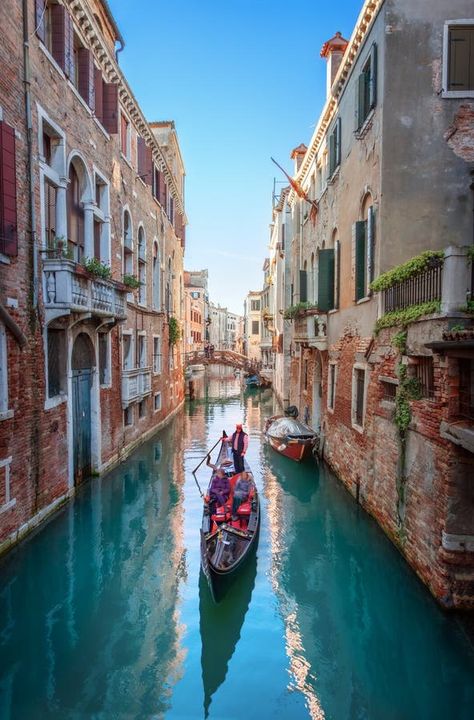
{"x": 224, "y": 435}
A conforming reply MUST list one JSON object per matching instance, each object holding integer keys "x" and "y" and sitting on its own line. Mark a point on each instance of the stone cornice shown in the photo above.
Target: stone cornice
{"x": 364, "y": 22}
{"x": 87, "y": 24}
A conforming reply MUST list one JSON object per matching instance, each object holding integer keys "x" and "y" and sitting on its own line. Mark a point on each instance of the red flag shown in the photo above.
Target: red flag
{"x": 300, "y": 192}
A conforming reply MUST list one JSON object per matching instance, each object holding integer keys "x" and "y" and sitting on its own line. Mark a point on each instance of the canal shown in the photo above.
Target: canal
{"x": 103, "y": 613}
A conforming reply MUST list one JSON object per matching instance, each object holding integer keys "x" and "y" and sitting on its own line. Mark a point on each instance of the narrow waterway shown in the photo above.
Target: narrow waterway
{"x": 103, "y": 613}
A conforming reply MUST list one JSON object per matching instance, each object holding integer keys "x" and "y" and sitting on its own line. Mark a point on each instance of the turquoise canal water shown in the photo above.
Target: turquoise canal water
{"x": 103, "y": 614}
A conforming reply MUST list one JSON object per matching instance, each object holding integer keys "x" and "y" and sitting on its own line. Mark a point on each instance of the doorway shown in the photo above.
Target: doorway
{"x": 83, "y": 367}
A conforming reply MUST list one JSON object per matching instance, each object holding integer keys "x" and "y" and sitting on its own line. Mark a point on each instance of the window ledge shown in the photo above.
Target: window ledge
{"x": 79, "y": 97}
{"x": 6, "y": 414}
{"x": 101, "y": 127}
{"x": 334, "y": 176}
{"x": 53, "y": 402}
{"x": 359, "y": 428}
{"x": 4, "y": 259}
{"x": 460, "y": 433}
{"x": 453, "y": 94}
{"x": 51, "y": 59}
{"x": 365, "y": 299}
{"x": 8, "y": 506}
{"x": 126, "y": 160}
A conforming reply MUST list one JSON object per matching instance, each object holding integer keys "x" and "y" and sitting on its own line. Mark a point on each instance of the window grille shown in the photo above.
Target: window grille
{"x": 332, "y": 386}
{"x": 389, "y": 391}
{"x": 56, "y": 362}
{"x": 359, "y": 409}
{"x": 425, "y": 375}
{"x": 466, "y": 388}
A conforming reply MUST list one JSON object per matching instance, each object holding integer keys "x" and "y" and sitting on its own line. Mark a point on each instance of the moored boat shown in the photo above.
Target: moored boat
{"x": 227, "y": 544}
{"x": 290, "y": 437}
{"x": 252, "y": 381}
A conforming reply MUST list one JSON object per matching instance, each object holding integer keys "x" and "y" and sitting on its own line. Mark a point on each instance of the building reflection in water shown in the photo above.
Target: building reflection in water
{"x": 89, "y": 618}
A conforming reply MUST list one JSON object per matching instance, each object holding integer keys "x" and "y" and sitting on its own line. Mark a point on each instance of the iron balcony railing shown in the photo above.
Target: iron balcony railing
{"x": 422, "y": 288}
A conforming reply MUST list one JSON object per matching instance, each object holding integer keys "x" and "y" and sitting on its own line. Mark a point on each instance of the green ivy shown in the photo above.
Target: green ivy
{"x": 408, "y": 315}
{"x": 293, "y": 311}
{"x": 174, "y": 330}
{"x": 97, "y": 268}
{"x": 399, "y": 340}
{"x": 402, "y": 272}
{"x": 131, "y": 282}
{"x": 468, "y": 307}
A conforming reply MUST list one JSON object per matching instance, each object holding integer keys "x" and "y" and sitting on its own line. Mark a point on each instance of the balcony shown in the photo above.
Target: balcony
{"x": 311, "y": 329}
{"x": 136, "y": 385}
{"x": 69, "y": 289}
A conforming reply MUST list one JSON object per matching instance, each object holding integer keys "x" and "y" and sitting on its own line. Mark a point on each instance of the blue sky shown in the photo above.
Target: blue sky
{"x": 243, "y": 81}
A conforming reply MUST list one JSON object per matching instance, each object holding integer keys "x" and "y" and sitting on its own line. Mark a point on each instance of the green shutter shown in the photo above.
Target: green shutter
{"x": 338, "y": 141}
{"x": 360, "y": 100}
{"x": 337, "y": 273}
{"x": 326, "y": 280}
{"x": 373, "y": 77}
{"x": 360, "y": 258}
{"x": 303, "y": 286}
{"x": 332, "y": 152}
{"x": 370, "y": 244}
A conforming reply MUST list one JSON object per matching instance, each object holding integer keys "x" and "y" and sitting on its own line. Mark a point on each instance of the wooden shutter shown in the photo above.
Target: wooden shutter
{"x": 338, "y": 142}
{"x": 373, "y": 77}
{"x": 332, "y": 152}
{"x": 98, "y": 94}
{"x": 40, "y": 25}
{"x": 145, "y": 169}
{"x": 58, "y": 34}
{"x": 337, "y": 273}
{"x": 370, "y": 244}
{"x": 326, "y": 280}
{"x": 303, "y": 286}
{"x": 360, "y": 102}
{"x": 110, "y": 111}
{"x": 8, "y": 213}
{"x": 86, "y": 79}
{"x": 162, "y": 191}
{"x": 360, "y": 259}
{"x": 69, "y": 68}
{"x": 461, "y": 58}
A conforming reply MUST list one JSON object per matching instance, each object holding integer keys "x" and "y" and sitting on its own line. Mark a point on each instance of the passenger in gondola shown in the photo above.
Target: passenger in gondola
{"x": 242, "y": 489}
{"x": 219, "y": 489}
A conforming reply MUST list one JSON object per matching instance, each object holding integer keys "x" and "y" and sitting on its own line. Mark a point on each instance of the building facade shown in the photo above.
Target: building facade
{"x": 196, "y": 310}
{"x": 380, "y": 272}
{"x": 91, "y": 259}
{"x": 253, "y": 325}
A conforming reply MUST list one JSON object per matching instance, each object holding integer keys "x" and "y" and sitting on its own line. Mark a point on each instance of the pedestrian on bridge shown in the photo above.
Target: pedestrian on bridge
{"x": 239, "y": 442}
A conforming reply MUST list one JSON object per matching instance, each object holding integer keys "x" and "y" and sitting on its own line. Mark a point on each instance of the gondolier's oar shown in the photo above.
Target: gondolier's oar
{"x": 224, "y": 435}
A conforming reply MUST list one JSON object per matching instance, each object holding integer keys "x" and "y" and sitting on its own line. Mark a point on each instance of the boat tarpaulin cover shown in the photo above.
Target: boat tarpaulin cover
{"x": 289, "y": 426}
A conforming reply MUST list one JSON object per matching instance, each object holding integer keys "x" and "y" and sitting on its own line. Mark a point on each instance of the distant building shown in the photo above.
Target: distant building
{"x": 253, "y": 325}
{"x": 196, "y": 310}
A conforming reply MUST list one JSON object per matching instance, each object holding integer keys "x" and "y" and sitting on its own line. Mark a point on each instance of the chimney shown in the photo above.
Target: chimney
{"x": 297, "y": 155}
{"x": 333, "y": 50}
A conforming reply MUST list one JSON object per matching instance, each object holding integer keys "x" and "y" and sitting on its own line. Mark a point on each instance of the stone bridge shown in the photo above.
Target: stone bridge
{"x": 220, "y": 357}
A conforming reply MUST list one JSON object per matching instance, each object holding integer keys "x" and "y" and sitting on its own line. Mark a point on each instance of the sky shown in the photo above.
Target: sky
{"x": 243, "y": 81}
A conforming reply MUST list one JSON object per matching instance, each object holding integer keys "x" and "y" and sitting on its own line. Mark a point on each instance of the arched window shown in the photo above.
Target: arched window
{"x": 127, "y": 241}
{"x": 142, "y": 265}
{"x": 156, "y": 277}
{"x": 364, "y": 248}
{"x": 75, "y": 215}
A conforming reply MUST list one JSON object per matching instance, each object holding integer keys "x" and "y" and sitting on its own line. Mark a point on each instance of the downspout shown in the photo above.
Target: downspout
{"x": 29, "y": 144}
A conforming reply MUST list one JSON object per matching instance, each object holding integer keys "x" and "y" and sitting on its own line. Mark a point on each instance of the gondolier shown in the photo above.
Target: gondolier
{"x": 239, "y": 442}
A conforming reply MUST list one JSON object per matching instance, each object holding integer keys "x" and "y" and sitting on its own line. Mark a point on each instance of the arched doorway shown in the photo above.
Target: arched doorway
{"x": 82, "y": 363}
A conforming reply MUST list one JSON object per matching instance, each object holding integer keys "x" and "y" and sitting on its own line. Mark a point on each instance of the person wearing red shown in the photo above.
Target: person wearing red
{"x": 239, "y": 442}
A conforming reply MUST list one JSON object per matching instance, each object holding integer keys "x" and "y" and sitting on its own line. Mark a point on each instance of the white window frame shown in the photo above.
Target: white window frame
{"x": 444, "y": 79}
{"x": 9, "y": 501}
{"x": 332, "y": 364}
{"x": 103, "y": 214}
{"x": 132, "y": 351}
{"x": 128, "y": 155}
{"x": 108, "y": 366}
{"x": 365, "y": 368}
{"x": 155, "y": 396}
{"x": 5, "y": 412}
{"x": 159, "y": 364}
{"x": 144, "y": 354}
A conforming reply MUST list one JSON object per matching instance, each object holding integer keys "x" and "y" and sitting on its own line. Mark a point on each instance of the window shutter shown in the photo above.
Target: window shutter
{"x": 360, "y": 116}
{"x": 338, "y": 142}
{"x": 69, "y": 46}
{"x": 373, "y": 77}
{"x": 332, "y": 152}
{"x": 40, "y": 25}
{"x": 110, "y": 111}
{"x": 360, "y": 259}
{"x": 58, "y": 34}
{"x": 98, "y": 94}
{"x": 141, "y": 145}
{"x": 303, "y": 286}
{"x": 326, "y": 280}
{"x": 370, "y": 244}
{"x": 86, "y": 80}
{"x": 162, "y": 191}
{"x": 8, "y": 214}
{"x": 461, "y": 58}
{"x": 337, "y": 273}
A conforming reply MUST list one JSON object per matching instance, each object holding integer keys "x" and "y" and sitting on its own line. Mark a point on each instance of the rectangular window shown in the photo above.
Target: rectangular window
{"x": 157, "y": 401}
{"x": 255, "y": 304}
{"x": 335, "y": 147}
{"x": 367, "y": 87}
{"x": 142, "y": 408}
{"x": 155, "y": 188}
{"x": 358, "y": 397}
{"x": 3, "y": 370}
{"x": 56, "y": 340}
{"x": 466, "y": 388}
{"x": 128, "y": 416}
{"x": 331, "y": 385}
{"x": 127, "y": 349}
{"x": 255, "y": 327}
{"x": 389, "y": 390}
{"x": 425, "y": 375}
{"x": 8, "y": 209}
{"x": 157, "y": 355}
{"x": 460, "y": 59}
{"x": 141, "y": 351}
{"x": 364, "y": 238}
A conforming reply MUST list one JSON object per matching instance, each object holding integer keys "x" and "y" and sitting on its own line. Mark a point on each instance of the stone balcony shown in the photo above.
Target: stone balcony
{"x": 311, "y": 329}
{"x": 68, "y": 288}
{"x": 136, "y": 385}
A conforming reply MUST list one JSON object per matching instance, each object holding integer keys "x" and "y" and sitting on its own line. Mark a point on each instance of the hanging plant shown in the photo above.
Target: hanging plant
{"x": 97, "y": 268}
{"x": 294, "y": 311}
{"x": 131, "y": 282}
{"x": 174, "y": 331}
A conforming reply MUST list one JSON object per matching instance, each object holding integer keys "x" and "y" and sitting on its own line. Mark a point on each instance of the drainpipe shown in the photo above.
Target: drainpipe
{"x": 29, "y": 144}
{"x": 15, "y": 330}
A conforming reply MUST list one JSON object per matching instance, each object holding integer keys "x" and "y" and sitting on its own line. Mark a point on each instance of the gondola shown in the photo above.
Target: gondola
{"x": 290, "y": 437}
{"x": 226, "y": 545}
{"x": 252, "y": 381}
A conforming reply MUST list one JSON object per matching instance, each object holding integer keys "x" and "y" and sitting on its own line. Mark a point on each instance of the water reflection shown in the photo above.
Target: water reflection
{"x": 220, "y": 626}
